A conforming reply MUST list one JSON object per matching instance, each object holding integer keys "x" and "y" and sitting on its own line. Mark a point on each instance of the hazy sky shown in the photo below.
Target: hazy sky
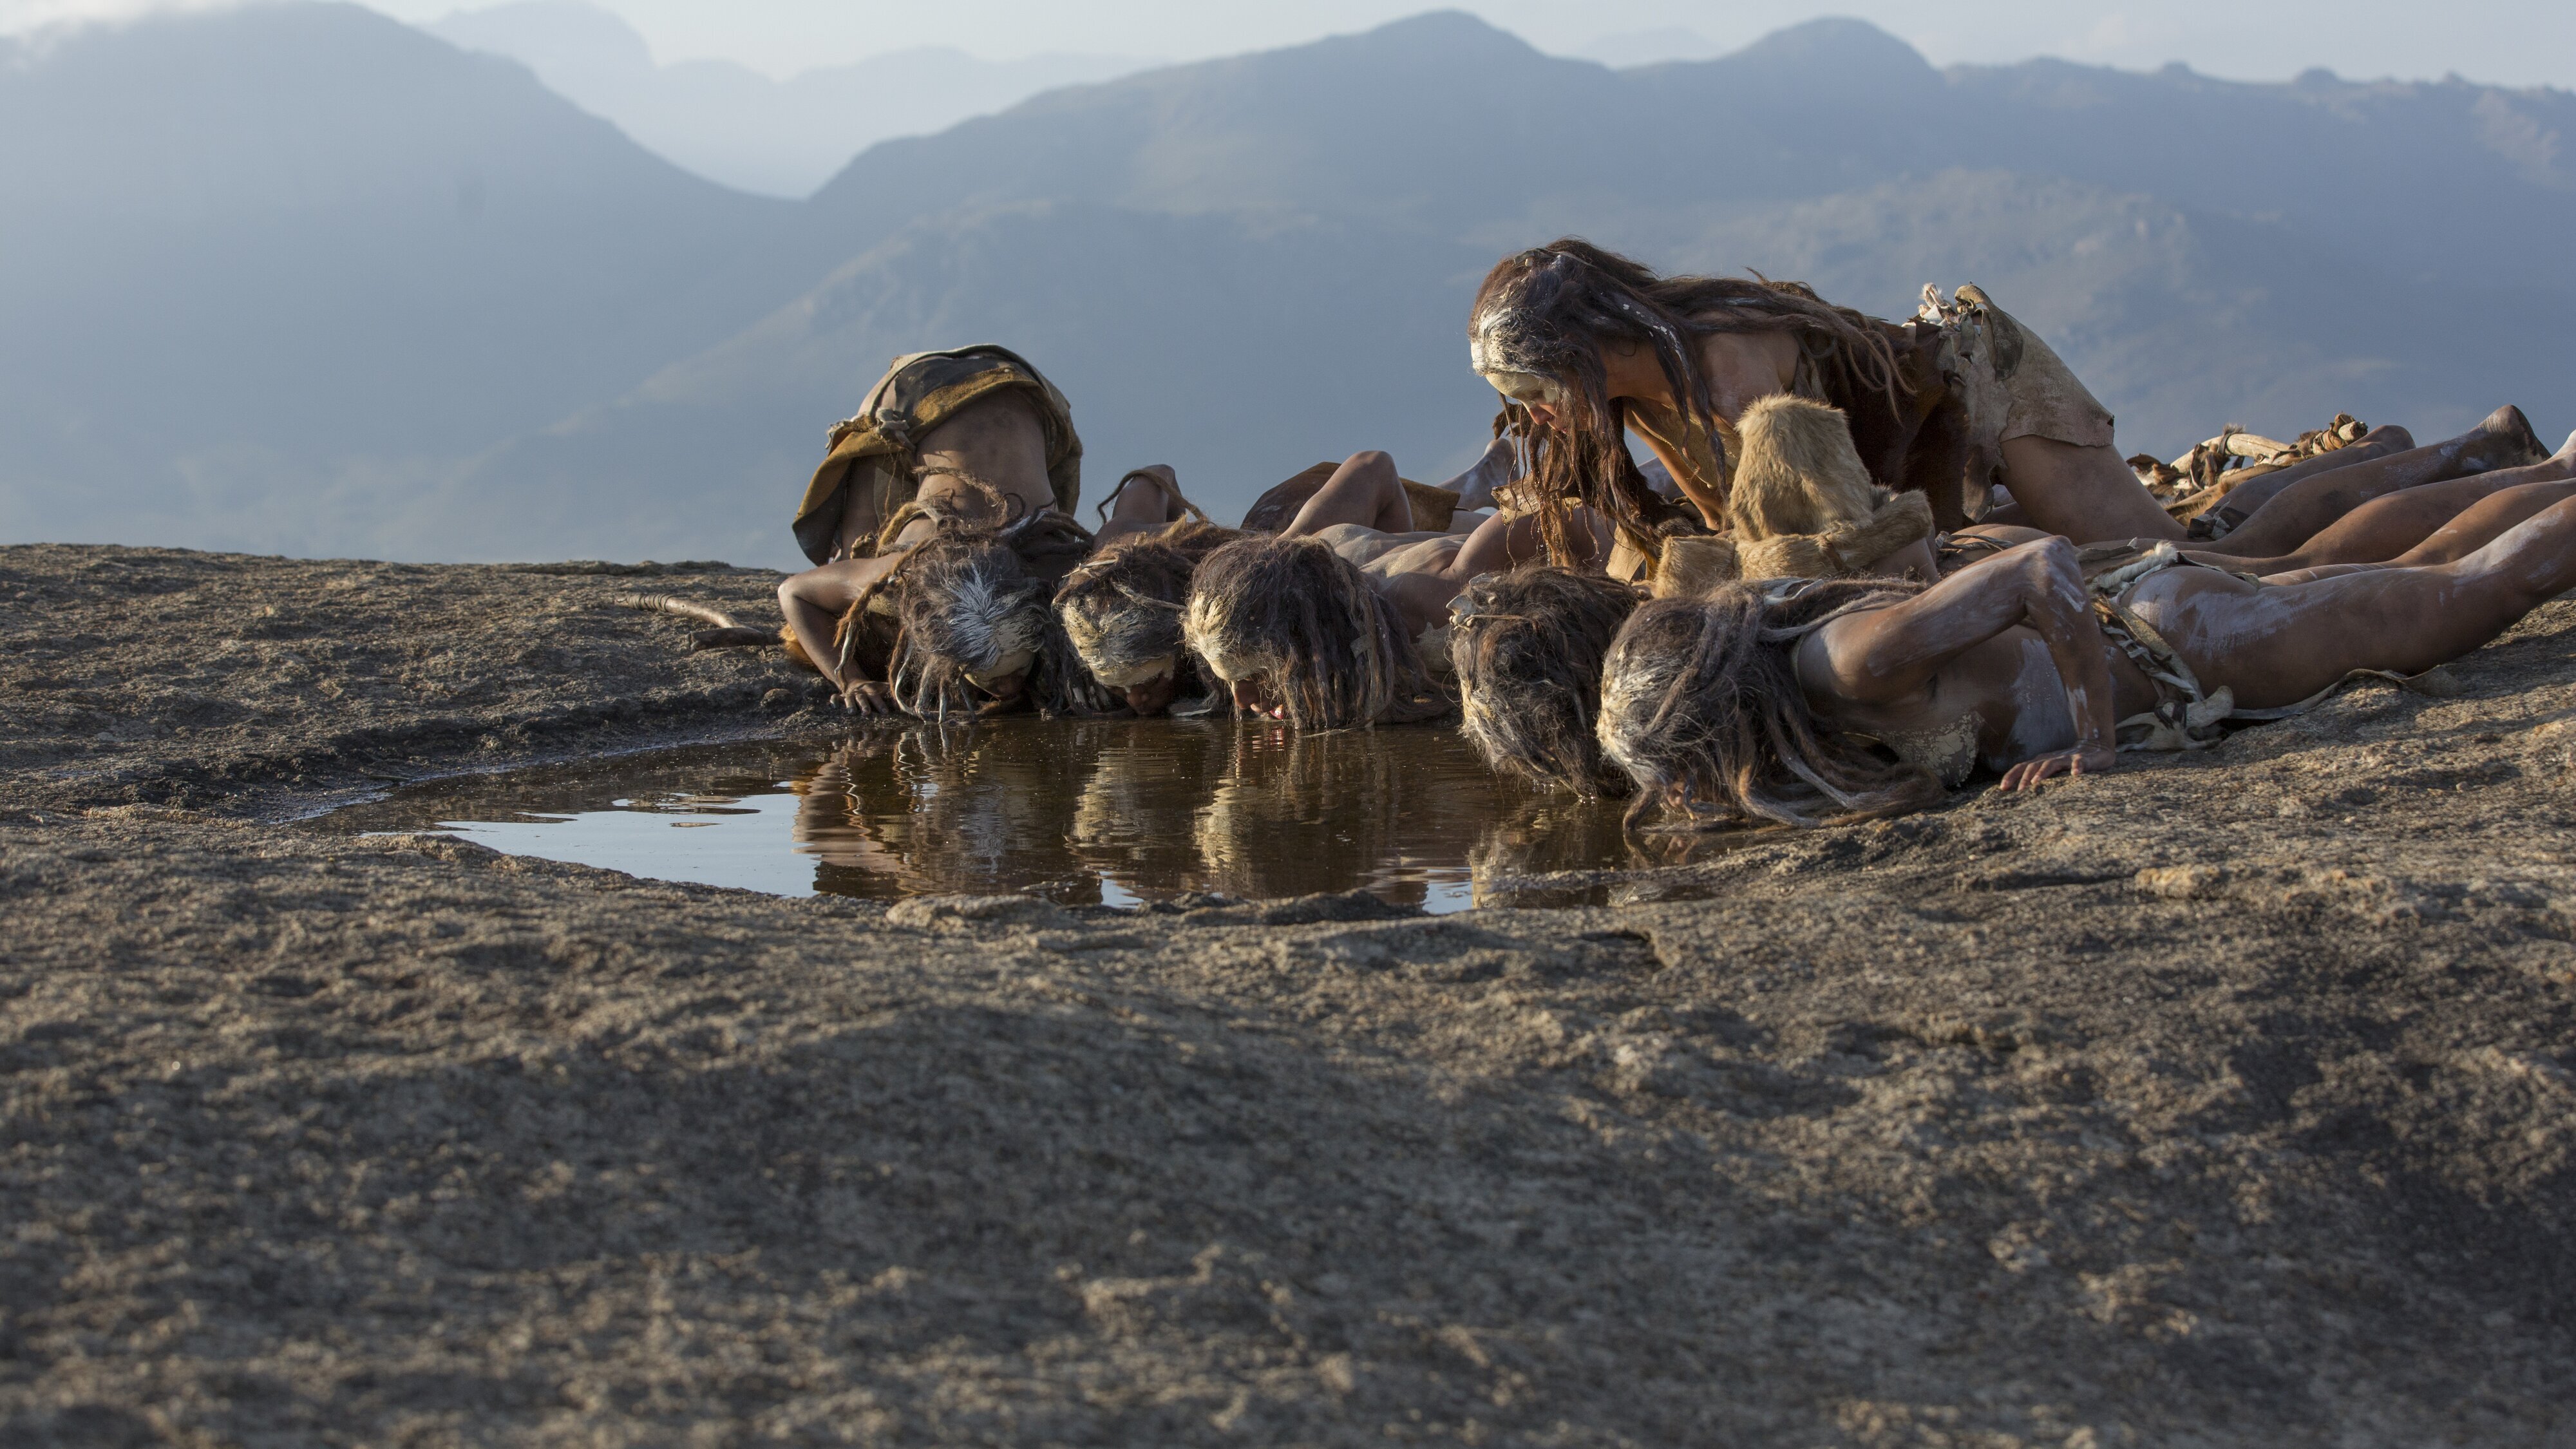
{"x": 2512, "y": 42}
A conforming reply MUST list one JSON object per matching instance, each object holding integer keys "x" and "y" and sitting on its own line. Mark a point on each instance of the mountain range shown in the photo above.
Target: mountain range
{"x": 299, "y": 278}
{"x": 731, "y": 124}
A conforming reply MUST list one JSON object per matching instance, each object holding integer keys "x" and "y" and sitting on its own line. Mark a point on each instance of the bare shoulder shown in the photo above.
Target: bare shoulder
{"x": 1838, "y": 660}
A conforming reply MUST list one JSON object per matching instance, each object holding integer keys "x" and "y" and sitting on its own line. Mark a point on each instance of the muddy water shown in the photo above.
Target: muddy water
{"x": 1108, "y": 812}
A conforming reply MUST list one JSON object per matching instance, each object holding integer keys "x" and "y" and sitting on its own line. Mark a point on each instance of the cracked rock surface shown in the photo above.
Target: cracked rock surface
{"x": 2220, "y": 1100}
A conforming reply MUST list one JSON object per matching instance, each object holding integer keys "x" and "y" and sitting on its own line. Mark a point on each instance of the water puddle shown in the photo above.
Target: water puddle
{"x": 1112, "y": 812}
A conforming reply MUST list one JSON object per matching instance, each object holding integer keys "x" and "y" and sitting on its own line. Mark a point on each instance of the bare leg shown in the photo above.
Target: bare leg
{"x": 1145, "y": 500}
{"x": 2478, "y": 525}
{"x": 2485, "y": 522}
{"x": 2389, "y": 526}
{"x": 2280, "y": 644}
{"x": 2241, "y": 501}
{"x": 2086, "y": 494}
{"x": 1422, "y": 595}
{"x": 1365, "y": 491}
{"x": 2300, "y": 511}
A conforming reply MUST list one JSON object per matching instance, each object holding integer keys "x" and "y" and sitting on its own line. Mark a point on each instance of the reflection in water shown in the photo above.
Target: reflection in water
{"x": 1086, "y": 811}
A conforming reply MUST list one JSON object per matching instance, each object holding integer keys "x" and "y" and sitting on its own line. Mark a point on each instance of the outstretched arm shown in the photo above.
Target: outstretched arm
{"x": 1885, "y": 657}
{"x": 813, "y": 603}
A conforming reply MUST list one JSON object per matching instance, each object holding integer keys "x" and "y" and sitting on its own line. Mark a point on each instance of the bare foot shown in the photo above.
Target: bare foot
{"x": 1146, "y": 496}
{"x": 1475, "y": 487}
{"x": 2503, "y": 440}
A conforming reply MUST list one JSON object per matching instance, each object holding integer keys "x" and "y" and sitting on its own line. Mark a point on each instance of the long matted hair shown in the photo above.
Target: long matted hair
{"x": 1700, "y": 705}
{"x": 964, "y": 603}
{"x": 1546, "y": 312}
{"x": 1295, "y": 612}
{"x": 1121, "y": 607}
{"x": 1528, "y": 646}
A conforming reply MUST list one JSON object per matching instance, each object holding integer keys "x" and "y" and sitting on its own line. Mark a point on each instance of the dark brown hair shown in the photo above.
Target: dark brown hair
{"x": 1302, "y": 616}
{"x": 1547, "y": 311}
{"x": 1528, "y": 646}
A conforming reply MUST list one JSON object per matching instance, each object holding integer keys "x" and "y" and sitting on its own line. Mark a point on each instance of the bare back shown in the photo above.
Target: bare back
{"x": 998, "y": 441}
{"x": 1744, "y": 367}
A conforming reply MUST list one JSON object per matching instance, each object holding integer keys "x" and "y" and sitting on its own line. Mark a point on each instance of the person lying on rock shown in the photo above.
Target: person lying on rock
{"x": 1525, "y": 648}
{"x": 1327, "y": 622}
{"x": 965, "y": 439}
{"x": 1803, "y": 506}
{"x": 1804, "y": 702}
{"x": 1585, "y": 346}
{"x": 1122, "y": 606}
{"x": 934, "y": 425}
{"x": 962, "y": 622}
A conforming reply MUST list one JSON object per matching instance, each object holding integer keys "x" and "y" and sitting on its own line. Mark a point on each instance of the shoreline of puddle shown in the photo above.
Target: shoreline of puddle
{"x": 1115, "y": 813}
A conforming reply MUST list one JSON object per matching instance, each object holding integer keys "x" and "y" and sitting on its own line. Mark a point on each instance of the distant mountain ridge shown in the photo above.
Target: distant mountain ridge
{"x": 730, "y": 123}
{"x": 1243, "y": 265}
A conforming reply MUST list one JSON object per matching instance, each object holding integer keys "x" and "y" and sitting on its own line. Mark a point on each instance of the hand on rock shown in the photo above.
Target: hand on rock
{"x": 2028, "y": 774}
{"x": 868, "y": 699}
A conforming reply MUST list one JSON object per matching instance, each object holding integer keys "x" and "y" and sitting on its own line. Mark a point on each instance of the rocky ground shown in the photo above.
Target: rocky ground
{"x": 2223, "y": 1100}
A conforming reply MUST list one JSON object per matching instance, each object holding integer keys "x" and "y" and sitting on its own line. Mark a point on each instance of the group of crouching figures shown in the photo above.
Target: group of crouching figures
{"x": 1867, "y": 559}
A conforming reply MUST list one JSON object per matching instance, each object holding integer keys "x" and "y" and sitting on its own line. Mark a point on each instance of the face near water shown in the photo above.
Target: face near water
{"x": 1111, "y": 812}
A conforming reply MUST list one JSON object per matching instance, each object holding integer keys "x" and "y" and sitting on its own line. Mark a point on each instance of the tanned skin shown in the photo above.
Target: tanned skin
{"x": 1419, "y": 578}
{"x": 998, "y": 440}
{"x": 2082, "y": 493}
{"x": 2429, "y": 524}
{"x": 2014, "y": 641}
{"x": 2390, "y": 518}
{"x": 2086, "y": 494}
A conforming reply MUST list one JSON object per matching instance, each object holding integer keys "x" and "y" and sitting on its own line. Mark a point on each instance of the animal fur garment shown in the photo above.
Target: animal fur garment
{"x": 873, "y": 451}
{"x": 1701, "y": 708}
{"x": 1803, "y": 505}
{"x": 1842, "y": 551}
{"x": 1799, "y": 472}
{"x": 1694, "y": 565}
{"x": 1526, "y": 647}
{"x": 1305, "y": 621}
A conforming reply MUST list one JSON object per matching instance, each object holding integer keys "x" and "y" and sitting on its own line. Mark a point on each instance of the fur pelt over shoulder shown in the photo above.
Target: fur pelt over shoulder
{"x": 1803, "y": 505}
{"x": 1842, "y": 551}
